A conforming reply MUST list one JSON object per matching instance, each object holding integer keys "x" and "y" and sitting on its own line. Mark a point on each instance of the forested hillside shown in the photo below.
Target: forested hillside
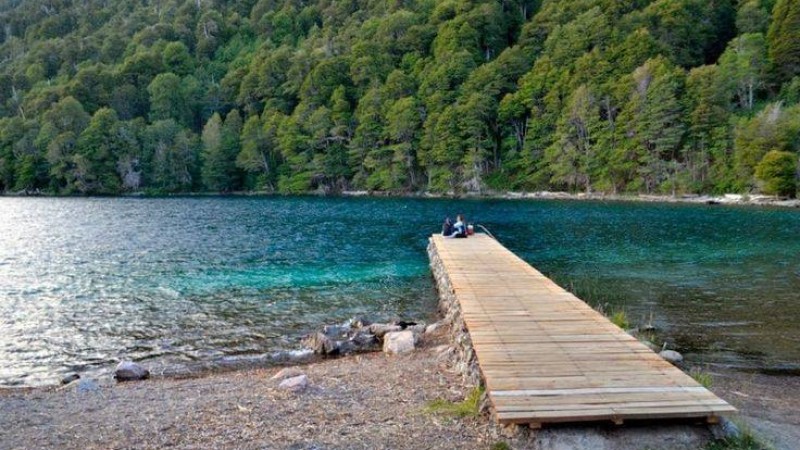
{"x": 161, "y": 96}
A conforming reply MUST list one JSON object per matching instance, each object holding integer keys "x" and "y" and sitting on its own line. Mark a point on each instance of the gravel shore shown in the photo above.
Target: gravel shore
{"x": 373, "y": 401}
{"x": 367, "y": 401}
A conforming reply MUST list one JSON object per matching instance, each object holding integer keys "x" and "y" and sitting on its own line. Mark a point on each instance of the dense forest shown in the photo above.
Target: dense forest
{"x": 617, "y": 96}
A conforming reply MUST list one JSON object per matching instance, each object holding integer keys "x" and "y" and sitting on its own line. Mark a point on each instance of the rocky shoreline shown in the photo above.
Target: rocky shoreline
{"x": 701, "y": 199}
{"x": 725, "y": 199}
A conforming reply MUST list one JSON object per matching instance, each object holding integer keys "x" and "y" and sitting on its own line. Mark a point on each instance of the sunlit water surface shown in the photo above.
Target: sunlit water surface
{"x": 180, "y": 281}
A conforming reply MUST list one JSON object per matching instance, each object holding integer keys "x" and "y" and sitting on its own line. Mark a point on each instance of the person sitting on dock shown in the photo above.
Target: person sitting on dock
{"x": 447, "y": 227}
{"x": 459, "y": 228}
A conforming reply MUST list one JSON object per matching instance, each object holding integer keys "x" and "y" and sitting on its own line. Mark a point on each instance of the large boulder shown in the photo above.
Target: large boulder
{"x": 294, "y": 384}
{"x": 398, "y": 342}
{"x": 130, "y": 371}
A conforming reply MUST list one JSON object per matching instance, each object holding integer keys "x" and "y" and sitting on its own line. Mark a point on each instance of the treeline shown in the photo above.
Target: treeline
{"x": 664, "y": 96}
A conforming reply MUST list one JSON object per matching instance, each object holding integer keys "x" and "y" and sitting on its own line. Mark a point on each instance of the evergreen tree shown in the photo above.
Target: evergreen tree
{"x": 215, "y": 168}
{"x": 98, "y": 148}
{"x": 743, "y": 65}
{"x": 601, "y": 95}
{"x": 784, "y": 39}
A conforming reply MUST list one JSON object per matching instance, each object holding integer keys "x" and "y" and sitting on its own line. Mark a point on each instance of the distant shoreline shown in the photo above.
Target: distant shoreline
{"x": 698, "y": 199}
{"x": 726, "y": 199}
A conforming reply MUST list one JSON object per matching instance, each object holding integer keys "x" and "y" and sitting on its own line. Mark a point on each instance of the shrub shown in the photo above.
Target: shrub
{"x": 620, "y": 319}
{"x": 469, "y": 407}
{"x": 778, "y": 171}
{"x": 704, "y": 378}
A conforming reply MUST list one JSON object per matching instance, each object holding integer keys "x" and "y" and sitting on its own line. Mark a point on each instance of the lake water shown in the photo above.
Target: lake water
{"x": 182, "y": 281}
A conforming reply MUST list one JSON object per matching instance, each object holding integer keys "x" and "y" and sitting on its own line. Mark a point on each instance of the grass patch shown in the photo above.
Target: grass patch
{"x": 620, "y": 319}
{"x": 469, "y": 407}
{"x": 500, "y": 446}
{"x": 701, "y": 376}
{"x": 746, "y": 441}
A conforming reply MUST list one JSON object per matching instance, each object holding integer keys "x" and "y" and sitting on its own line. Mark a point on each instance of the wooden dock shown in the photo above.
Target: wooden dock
{"x": 547, "y": 357}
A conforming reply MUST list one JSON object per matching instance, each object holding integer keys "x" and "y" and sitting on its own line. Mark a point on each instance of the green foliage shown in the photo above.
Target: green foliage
{"x": 500, "y": 446}
{"x": 469, "y": 407}
{"x": 620, "y": 319}
{"x": 746, "y": 440}
{"x": 639, "y": 96}
{"x": 784, "y": 39}
{"x": 704, "y": 378}
{"x": 778, "y": 171}
{"x": 774, "y": 128}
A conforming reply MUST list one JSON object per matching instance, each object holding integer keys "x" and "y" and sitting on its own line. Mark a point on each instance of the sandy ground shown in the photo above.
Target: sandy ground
{"x": 370, "y": 401}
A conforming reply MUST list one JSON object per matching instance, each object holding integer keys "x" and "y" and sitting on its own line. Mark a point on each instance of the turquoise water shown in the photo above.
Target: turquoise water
{"x": 86, "y": 282}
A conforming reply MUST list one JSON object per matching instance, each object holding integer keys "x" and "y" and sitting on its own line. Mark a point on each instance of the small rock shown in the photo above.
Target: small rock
{"x": 294, "y": 384}
{"x": 432, "y": 328}
{"x": 335, "y": 331}
{"x": 725, "y": 429}
{"x": 359, "y": 322}
{"x": 130, "y": 371}
{"x": 344, "y": 348}
{"x": 67, "y": 379}
{"x": 671, "y": 356}
{"x": 365, "y": 342}
{"x": 289, "y": 372}
{"x": 320, "y": 344}
{"x": 398, "y": 342}
{"x": 380, "y": 329}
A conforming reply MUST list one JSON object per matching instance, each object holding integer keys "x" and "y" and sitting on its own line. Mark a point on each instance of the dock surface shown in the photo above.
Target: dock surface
{"x": 548, "y": 357}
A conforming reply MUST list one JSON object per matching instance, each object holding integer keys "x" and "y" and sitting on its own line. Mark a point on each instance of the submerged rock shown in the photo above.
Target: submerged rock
{"x": 130, "y": 371}
{"x": 398, "y": 342}
{"x": 671, "y": 356}
{"x": 294, "y": 384}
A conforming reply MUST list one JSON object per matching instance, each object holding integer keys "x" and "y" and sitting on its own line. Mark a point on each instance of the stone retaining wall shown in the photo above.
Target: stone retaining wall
{"x": 464, "y": 359}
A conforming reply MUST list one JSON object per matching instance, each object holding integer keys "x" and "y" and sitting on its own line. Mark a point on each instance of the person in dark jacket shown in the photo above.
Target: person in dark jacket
{"x": 459, "y": 228}
{"x": 447, "y": 227}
